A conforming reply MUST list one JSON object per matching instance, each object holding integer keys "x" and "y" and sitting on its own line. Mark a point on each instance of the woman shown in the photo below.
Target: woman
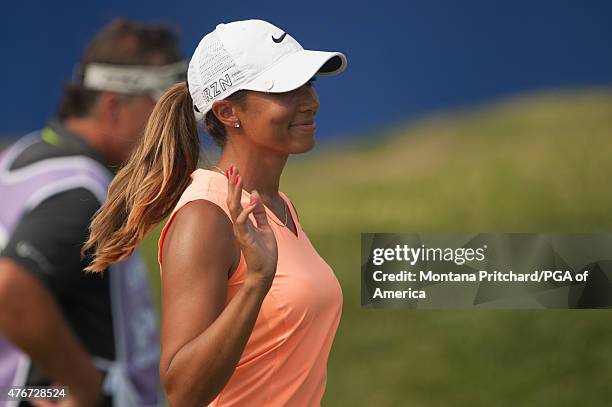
{"x": 249, "y": 309}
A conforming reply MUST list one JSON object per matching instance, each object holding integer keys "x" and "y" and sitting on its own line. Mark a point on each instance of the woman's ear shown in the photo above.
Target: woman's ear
{"x": 224, "y": 111}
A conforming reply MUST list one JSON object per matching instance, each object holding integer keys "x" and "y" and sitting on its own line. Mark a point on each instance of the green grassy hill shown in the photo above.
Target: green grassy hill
{"x": 539, "y": 163}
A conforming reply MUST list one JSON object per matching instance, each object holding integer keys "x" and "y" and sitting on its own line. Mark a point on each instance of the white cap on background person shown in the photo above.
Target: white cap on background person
{"x": 131, "y": 79}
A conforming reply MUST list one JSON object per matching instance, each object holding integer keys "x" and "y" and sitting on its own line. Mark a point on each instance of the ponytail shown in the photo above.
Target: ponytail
{"x": 147, "y": 188}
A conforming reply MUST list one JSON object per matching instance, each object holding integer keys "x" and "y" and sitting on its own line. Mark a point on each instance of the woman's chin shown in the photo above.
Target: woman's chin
{"x": 304, "y": 146}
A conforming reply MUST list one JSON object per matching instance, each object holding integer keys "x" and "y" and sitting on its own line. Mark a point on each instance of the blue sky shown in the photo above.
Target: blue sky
{"x": 405, "y": 58}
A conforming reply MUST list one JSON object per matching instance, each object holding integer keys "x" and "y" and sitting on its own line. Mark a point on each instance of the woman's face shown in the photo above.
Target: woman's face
{"x": 281, "y": 122}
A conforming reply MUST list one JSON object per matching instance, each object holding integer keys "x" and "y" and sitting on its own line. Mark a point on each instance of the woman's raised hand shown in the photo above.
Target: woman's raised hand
{"x": 258, "y": 243}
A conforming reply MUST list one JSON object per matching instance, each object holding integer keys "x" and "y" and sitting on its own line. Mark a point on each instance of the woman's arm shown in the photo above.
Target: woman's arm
{"x": 201, "y": 340}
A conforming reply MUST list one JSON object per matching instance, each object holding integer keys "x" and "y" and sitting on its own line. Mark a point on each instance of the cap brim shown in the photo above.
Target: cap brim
{"x": 296, "y": 69}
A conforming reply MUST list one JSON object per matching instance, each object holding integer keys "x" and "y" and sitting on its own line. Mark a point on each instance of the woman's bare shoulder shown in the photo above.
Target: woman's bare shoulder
{"x": 200, "y": 233}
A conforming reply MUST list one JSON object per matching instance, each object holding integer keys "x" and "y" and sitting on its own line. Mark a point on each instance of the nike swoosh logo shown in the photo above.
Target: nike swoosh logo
{"x": 278, "y": 40}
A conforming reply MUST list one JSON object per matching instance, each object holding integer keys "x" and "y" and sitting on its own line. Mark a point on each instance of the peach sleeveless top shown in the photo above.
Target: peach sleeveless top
{"x": 284, "y": 362}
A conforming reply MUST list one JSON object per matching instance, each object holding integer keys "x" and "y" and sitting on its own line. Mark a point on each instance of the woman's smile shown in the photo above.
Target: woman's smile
{"x": 306, "y": 125}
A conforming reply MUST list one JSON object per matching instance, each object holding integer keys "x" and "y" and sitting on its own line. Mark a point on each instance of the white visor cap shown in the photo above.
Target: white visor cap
{"x": 253, "y": 55}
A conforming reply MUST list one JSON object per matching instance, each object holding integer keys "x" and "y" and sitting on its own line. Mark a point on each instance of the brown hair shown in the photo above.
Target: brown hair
{"x": 159, "y": 167}
{"x": 147, "y": 188}
{"x": 121, "y": 42}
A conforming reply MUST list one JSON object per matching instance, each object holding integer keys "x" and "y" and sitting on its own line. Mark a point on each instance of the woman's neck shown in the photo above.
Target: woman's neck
{"x": 259, "y": 170}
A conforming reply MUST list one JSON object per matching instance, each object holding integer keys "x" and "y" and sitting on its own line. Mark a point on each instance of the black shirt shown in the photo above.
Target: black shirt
{"x": 47, "y": 242}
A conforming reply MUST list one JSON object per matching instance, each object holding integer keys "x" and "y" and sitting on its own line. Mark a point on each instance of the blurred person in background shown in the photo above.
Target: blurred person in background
{"x": 94, "y": 333}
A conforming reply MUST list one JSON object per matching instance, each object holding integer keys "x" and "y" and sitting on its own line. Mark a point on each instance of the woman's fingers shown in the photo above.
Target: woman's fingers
{"x": 259, "y": 211}
{"x": 234, "y": 192}
{"x": 243, "y": 222}
{"x": 255, "y": 207}
{"x": 239, "y": 213}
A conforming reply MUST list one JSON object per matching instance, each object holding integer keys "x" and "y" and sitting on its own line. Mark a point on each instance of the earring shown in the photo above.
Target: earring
{"x": 237, "y": 124}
